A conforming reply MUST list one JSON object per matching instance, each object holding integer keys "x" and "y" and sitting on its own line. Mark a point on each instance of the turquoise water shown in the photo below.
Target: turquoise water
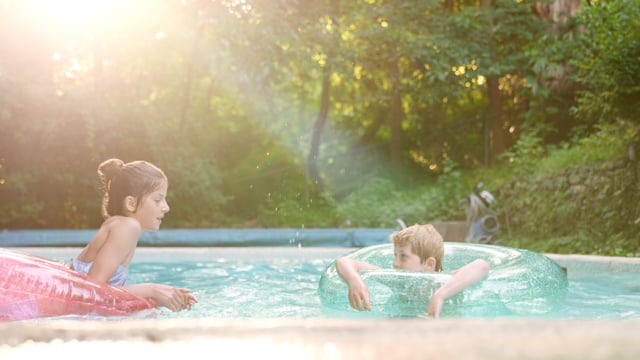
{"x": 602, "y": 296}
{"x": 279, "y": 288}
{"x": 287, "y": 288}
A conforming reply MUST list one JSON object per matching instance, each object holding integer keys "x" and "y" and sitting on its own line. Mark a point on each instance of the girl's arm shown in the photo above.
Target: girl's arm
{"x": 462, "y": 278}
{"x": 120, "y": 244}
{"x": 175, "y": 299}
{"x": 358, "y": 292}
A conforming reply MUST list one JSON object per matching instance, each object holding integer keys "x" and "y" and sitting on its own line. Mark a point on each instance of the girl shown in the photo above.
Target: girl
{"x": 134, "y": 200}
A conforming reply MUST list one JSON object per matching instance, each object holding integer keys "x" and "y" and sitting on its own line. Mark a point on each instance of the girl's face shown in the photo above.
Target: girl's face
{"x": 405, "y": 259}
{"x": 152, "y": 208}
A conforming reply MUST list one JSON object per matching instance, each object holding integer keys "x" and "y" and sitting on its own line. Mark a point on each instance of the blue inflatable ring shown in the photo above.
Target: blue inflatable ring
{"x": 520, "y": 282}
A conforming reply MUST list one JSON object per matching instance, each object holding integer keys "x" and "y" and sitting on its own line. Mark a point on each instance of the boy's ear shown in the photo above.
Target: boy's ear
{"x": 431, "y": 263}
{"x": 130, "y": 203}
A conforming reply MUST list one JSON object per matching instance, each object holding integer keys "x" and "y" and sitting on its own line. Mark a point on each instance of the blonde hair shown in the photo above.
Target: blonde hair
{"x": 425, "y": 242}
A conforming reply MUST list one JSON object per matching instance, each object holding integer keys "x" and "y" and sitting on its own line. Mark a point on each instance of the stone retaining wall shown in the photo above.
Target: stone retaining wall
{"x": 602, "y": 196}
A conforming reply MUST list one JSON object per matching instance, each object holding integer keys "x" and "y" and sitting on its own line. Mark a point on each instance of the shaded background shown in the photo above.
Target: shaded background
{"x": 300, "y": 113}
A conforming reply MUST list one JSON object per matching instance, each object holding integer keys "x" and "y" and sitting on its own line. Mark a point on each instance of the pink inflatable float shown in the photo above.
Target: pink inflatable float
{"x": 33, "y": 287}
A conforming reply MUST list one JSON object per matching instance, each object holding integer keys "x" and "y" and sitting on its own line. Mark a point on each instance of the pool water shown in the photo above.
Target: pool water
{"x": 279, "y": 288}
{"x": 601, "y": 296}
{"x": 286, "y": 287}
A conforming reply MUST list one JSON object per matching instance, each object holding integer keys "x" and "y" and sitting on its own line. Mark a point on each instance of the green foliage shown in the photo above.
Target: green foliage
{"x": 586, "y": 243}
{"x": 298, "y": 212}
{"x": 606, "y": 59}
{"x": 373, "y": 205}
{"x": 224, "y": 96}
{"x": 609, "y": 142}
{"x": 531, "y": 155}
{"x": 581, "y": 198}
{"x": 380, "y": 202}
{"x": 22, "y": 207}
{"x": 525, "y": 154}
{"x": 194, "y": 194}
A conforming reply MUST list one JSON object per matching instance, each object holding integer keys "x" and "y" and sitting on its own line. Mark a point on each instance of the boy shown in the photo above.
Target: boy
{"x": 417, "y": 248}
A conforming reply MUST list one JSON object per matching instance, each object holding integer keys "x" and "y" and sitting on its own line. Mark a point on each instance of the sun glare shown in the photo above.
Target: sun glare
{"x": 68, "y": 12}
{"x": 78, "y": 10}
{"x": 77, "y": 16}
{"x": 78, "y": 35}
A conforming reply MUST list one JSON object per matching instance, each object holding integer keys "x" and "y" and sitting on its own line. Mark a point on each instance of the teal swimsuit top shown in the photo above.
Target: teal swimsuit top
{"x": 117, "y": 279}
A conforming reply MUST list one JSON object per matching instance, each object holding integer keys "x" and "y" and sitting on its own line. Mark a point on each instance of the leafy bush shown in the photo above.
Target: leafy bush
{"x": 606, "y": 58}
{"x": 298, "y": 211}
{"x": 194, "y": 192}
{"x": 380, "y": 203}
{"x": 581, "y": 198}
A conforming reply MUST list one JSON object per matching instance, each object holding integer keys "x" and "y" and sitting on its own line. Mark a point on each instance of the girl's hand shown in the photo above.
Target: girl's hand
{"x": 174, "y": 299}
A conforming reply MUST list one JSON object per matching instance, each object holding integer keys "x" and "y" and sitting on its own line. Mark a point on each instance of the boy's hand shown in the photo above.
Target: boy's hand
{"x": 358, "y": 292}
{"x": 359, "y": 296}
{"x": 435, "y": 306}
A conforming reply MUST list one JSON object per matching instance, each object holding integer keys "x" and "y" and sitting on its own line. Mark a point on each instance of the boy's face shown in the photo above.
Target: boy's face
{"x": 405, "y": 259}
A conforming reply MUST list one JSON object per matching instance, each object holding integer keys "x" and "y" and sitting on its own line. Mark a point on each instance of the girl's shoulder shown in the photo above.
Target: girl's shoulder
{"x": 122, "y": 223}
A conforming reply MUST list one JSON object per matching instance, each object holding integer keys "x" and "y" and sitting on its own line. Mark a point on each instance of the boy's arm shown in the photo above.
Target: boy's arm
{"x": 462, "y": 278}
{"x": 358, "y": 292}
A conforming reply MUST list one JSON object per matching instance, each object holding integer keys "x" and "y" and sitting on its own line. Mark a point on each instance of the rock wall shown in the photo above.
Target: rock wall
{"x": 603, "y": 197}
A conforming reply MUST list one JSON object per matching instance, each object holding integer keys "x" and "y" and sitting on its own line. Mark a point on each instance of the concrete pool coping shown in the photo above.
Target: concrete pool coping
{"x": 503, "y": 338}
{"x": 324, "y": 339}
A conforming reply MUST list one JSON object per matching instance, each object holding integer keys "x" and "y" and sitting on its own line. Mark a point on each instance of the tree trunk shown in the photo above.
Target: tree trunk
{"x": 396, "y": 114}
{"x": 186, "y": 97}
{"x": 495, "y": 119}
{"x": 312, "y": 161}
{"x": 371, "y": 131}
{"x": 313, "y": 175}
{"x": 557, "y": 78}
{"x": 494, "y": 136}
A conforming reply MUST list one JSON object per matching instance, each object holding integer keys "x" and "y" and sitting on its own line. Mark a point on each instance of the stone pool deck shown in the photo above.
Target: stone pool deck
{"x": 503, "y": 338}
{"x": 322, "y": 339}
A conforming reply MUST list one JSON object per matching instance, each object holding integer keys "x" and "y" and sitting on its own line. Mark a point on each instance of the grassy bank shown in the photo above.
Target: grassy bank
{"x": 578, "y": 198}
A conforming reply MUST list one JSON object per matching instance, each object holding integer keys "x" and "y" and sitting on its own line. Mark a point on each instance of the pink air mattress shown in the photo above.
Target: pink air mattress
{"x": 33, "y": 287}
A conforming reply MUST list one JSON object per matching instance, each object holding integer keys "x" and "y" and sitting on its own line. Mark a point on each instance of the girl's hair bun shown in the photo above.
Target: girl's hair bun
{"x": 108, "y": 169}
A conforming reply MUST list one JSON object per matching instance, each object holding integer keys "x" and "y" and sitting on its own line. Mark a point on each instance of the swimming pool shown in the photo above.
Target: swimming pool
{"x": 599, "y": 321}
{"x": 282, "y": 282}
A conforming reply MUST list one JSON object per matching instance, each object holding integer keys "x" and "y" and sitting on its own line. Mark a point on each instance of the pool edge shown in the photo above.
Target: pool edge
{"x": 513, "y": 338}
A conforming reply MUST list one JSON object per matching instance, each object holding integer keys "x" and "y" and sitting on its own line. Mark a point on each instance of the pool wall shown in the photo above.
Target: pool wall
{"x": 349, "y": 237}
{"x": 209, "y": 237}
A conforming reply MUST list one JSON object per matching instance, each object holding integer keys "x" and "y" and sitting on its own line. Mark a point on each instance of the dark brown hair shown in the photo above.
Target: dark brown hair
{"x": 119, "y": 180}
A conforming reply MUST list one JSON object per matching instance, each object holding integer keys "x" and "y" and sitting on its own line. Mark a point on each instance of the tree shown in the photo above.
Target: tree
{"x": 607, "y": 61}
